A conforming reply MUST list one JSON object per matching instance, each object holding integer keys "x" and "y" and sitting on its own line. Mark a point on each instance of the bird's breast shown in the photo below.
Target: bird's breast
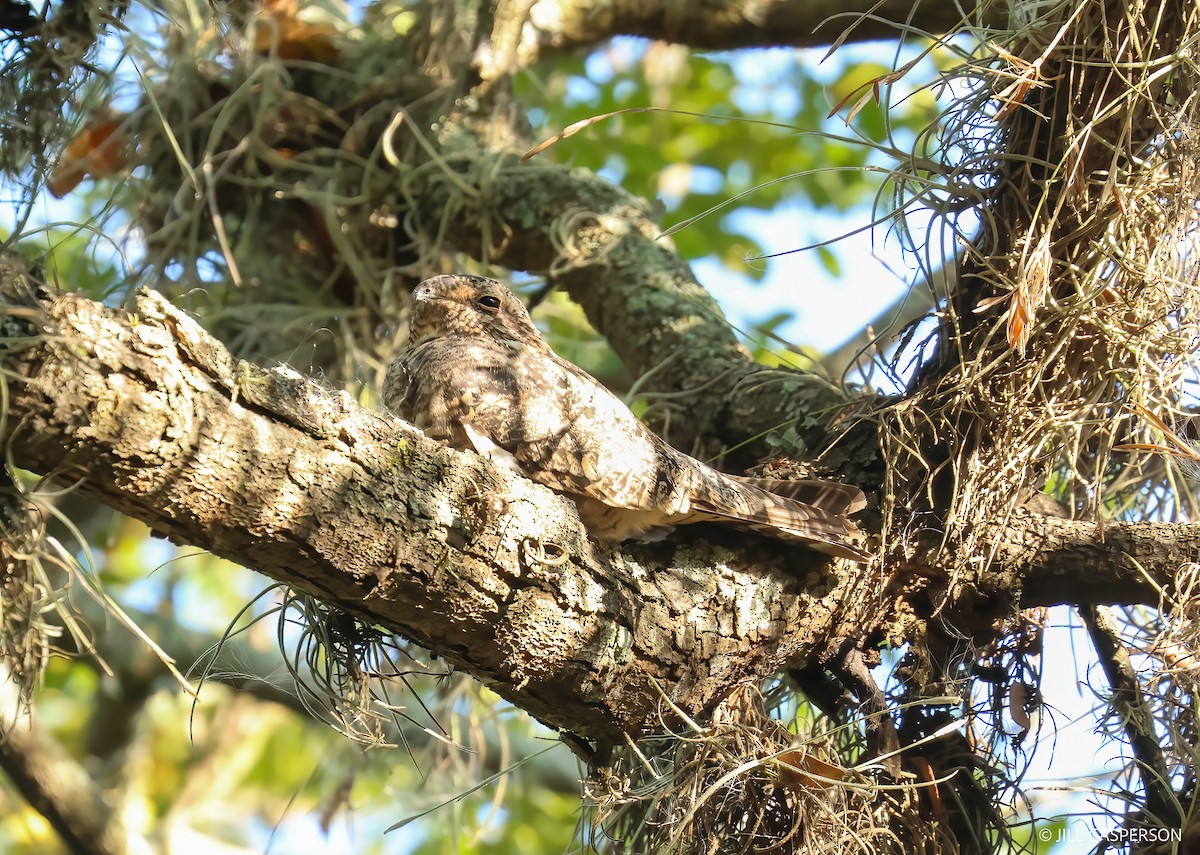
{"x": 452, "y": 381}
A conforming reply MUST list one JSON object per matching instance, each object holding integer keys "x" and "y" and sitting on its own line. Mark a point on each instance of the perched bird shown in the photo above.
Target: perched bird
{"x": 477, "y": 374}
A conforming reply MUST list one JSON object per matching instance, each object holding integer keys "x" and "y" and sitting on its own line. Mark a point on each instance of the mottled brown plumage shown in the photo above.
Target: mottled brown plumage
{"x": 476, "y": 373}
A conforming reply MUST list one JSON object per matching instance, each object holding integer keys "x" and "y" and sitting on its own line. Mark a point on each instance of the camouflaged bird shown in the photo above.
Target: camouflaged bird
{"x": 477, "y": 374}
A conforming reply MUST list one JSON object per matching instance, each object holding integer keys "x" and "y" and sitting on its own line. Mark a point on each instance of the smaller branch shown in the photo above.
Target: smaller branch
{"x": 1136, "y": 715}
{"x": 40, "y": 769}
{"x": 504, "y": 57}
{"x": 823, "y": 690}
{"x": 880, "y": 332}
{"x": 55, "y": 785}
{"x": 1051, "y": 561}
{"x": 568, "y": 24}
{"x": 882, "y": 738}
{"x": 136, "y": 672}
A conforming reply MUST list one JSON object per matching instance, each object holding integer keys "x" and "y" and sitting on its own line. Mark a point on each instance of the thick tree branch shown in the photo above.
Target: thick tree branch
{"x": 1054, "y": 561}
{"x": 486, "y": 569}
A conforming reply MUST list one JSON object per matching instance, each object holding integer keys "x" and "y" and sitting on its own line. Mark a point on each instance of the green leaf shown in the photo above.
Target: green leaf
{"x": 830, "y": 261}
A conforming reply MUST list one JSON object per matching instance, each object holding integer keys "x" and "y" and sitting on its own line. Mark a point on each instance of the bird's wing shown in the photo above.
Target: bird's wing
{"x": 572, "y": 434}
{"x": 585, "y": 441}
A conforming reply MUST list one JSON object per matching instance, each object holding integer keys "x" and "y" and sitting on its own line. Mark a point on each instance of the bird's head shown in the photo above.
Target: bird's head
{"x": 469, "y": 306}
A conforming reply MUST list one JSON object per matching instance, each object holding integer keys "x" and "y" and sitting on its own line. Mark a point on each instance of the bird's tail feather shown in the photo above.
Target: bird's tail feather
{"x": 826, "y": 495}
{"x": 815, "y": 520}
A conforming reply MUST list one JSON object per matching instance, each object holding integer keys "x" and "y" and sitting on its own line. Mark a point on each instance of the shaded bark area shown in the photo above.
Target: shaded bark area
{"x": 1056, "y": 561}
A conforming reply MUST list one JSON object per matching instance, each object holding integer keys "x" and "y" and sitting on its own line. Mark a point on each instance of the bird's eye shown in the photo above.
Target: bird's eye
{"x": 489, "y": 302}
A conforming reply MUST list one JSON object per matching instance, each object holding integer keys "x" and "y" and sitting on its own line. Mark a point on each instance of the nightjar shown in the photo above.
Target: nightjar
{"x": 477, "y": 374}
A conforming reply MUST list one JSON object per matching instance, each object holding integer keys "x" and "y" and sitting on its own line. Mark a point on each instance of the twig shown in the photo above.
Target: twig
{"x": 1136, "y": 716}
{"x": 56, "y": 786}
